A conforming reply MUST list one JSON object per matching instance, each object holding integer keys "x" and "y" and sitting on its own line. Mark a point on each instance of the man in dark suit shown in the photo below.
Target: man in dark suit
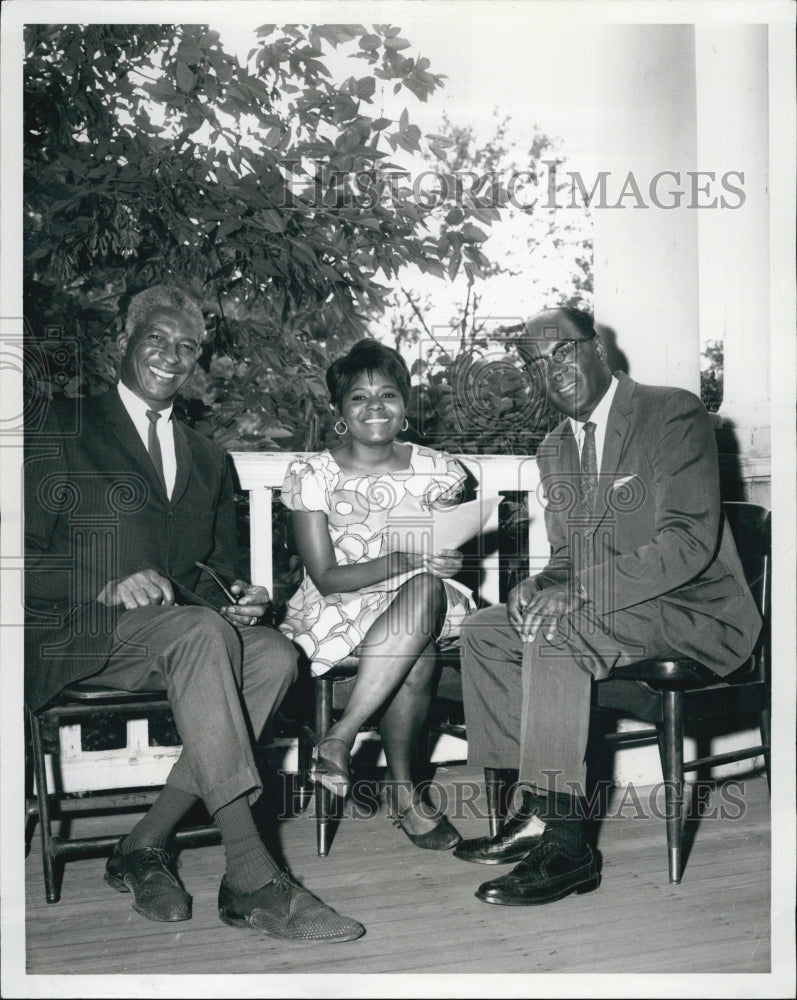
{"x": 122, "y": 501}
{"x": 641, "y": 565}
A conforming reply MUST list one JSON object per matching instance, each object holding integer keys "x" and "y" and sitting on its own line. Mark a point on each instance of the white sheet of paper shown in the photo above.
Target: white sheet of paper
{"x": 440, "y": 529}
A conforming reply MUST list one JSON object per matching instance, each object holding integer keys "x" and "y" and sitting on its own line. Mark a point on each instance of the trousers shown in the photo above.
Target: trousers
{"x": 527, "y": 705}
{"x": 222, "y": 684}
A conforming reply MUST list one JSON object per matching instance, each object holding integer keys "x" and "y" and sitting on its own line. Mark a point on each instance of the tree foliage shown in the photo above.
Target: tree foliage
{"x": 712, "y": 375}
{"x": 473, "y": 392}
{"x": 267, "y": 188}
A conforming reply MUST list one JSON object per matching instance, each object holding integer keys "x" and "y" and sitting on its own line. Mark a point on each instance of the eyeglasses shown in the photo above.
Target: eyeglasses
{"x": 563, "y": 354}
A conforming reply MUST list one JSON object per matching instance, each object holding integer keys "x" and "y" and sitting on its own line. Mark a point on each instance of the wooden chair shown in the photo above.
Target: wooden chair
{"x": 68, "y": 778}
{"x": 669, "y": 693}
{"x": 330, "y": 695}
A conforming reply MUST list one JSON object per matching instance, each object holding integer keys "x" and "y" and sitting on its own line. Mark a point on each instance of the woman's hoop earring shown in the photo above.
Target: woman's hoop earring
{"x": 405, "y": 425}
{"x": 336, "y": 428}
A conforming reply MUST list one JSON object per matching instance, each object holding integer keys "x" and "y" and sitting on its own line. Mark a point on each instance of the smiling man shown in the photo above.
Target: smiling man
{"x": 641, "y": 566}
{"x": 118, "y": 516}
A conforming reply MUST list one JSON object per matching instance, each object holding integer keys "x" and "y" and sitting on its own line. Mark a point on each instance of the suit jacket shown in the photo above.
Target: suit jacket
{"x": 95, "y": 511}
{"x": 658, "y": 534}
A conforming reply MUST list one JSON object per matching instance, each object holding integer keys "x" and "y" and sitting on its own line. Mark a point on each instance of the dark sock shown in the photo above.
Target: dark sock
{"x": 155, "y": 828}
{"x": 504, "y": 788}
{"x": 249, "y": 865}
{"x": 562, "y": 814}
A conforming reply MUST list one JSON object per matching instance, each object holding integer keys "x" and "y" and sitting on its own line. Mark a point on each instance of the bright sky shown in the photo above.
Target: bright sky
{"x": 518, "y": 60}
{"x": 533, "y": 68}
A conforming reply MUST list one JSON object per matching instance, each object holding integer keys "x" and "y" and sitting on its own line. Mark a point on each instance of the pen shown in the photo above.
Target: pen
{"x": 227, "y": 594}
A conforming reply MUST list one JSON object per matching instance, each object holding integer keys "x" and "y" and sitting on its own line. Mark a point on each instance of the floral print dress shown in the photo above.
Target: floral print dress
{"x": 359, "y": 508}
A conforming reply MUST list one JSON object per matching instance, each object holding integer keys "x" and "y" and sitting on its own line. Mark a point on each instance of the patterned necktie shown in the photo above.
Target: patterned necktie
{"x": 154, "y": 446}
{"x": 589, "y": 471}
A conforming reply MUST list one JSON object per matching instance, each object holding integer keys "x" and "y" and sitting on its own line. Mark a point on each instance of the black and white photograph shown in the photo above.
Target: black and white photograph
{"x": 398, "y": 498}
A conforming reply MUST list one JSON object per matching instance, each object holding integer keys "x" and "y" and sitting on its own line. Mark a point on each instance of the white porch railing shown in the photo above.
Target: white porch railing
{"x": 260, "y": 473}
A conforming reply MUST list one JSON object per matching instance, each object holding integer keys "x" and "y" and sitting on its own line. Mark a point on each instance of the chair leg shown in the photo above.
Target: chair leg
{"x": 673, "y": 760}
{"x": 766, "y": 736}
{"x": 51, "y": 889}
{"x": 493, "y": 785}
{"x": 305, "y": 752}
{"x": 323, "y": 805}
{"x": 323, "y": 721}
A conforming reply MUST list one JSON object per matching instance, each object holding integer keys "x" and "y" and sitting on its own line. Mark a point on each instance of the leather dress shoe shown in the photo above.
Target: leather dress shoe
{"x": 547, "y": 873}
{"x": 514, "y": 842}
{"x": 282, "y": 909}
{"x": 157, "y": 892}
{"x": 442, "y": 837}
{"x": 326, "y": 772}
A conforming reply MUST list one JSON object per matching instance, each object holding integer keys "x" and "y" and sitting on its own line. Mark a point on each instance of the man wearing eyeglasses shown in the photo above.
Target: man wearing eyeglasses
{"x": 122, "y": 505}
{"x": 640, "y": 567}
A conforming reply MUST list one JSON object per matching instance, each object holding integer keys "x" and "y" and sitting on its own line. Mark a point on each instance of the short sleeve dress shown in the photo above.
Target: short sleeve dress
{"x": 359, "y": 507}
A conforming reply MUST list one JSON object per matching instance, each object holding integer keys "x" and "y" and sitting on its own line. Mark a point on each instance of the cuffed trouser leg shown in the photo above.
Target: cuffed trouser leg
{"x": 268, "y": 669}
{"x": 528, "y": 705}
{"x": 217, "y": 680}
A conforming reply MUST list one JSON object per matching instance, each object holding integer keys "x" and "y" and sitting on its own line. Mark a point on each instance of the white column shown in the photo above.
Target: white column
{"x": 646, "y": 261}
{"x": 731, "y": 67}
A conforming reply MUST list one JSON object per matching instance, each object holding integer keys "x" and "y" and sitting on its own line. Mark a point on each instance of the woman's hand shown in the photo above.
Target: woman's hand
{"x": 443, "y": 563}
{"x": 405, "y": 562}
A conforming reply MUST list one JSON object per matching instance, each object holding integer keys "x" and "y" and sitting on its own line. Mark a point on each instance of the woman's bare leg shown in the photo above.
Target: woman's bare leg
{"x": 400, "y": 728}
{"x": 388, "y": 657}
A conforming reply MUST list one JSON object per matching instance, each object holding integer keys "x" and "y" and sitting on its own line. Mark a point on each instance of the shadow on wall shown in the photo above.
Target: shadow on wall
{"x": 732, "y": 483}
{"x": 616, "y": 359}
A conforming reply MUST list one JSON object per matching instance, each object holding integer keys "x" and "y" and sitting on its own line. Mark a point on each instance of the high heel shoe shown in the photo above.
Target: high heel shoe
{"x": 441, "y": 837}
{"x": 326, "y": 772}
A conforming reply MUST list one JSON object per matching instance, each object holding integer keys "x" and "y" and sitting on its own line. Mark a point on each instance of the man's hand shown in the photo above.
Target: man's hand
{"x": 443, "y": 563}
{"x": 518, "y": 600}
{"x": 545, "y": 609}
{"x": 138, "y": 590}
{"x": 250, "y": 607}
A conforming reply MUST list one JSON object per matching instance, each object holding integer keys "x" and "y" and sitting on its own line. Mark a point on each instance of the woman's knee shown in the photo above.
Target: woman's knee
{"x": 426, "y": 594}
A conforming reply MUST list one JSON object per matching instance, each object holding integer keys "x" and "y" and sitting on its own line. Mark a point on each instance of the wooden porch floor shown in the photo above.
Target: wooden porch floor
{"x": 419, "y": 906}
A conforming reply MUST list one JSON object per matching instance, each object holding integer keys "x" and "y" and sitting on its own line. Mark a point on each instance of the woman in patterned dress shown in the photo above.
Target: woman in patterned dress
{"x": 357, "y": 595}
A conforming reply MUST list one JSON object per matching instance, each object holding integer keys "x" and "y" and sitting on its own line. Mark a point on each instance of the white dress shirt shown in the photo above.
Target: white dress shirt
{"x": 599, "y": 417}
{"x": 137, "y": 410}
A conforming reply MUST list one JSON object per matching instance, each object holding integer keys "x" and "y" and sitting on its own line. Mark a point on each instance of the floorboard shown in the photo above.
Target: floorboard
{"x": 421, "y": 913}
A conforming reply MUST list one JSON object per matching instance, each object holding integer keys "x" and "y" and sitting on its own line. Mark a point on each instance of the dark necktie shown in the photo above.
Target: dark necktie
{"x": 589, "y": 471}
{"x": 154, "y": 446}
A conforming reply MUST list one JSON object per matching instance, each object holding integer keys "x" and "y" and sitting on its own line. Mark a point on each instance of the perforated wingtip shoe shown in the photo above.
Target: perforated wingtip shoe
{"x": 547, "y": 873}
{"x": 284, "y": 910}
{"x": 157, "y": 892}
{"x": 514, "y": 842}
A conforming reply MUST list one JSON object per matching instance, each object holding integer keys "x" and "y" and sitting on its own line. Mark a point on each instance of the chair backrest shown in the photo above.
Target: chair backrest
{"x": 751, "y": 527}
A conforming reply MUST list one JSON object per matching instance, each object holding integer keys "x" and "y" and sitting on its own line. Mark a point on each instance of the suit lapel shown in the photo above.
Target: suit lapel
{"x": 571, "y": 461}
{"x": 128, "y": 440}
{"x": 617, "y": 427}
{"x": 562, "y": 450}
{"x": 182, "y": 451}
